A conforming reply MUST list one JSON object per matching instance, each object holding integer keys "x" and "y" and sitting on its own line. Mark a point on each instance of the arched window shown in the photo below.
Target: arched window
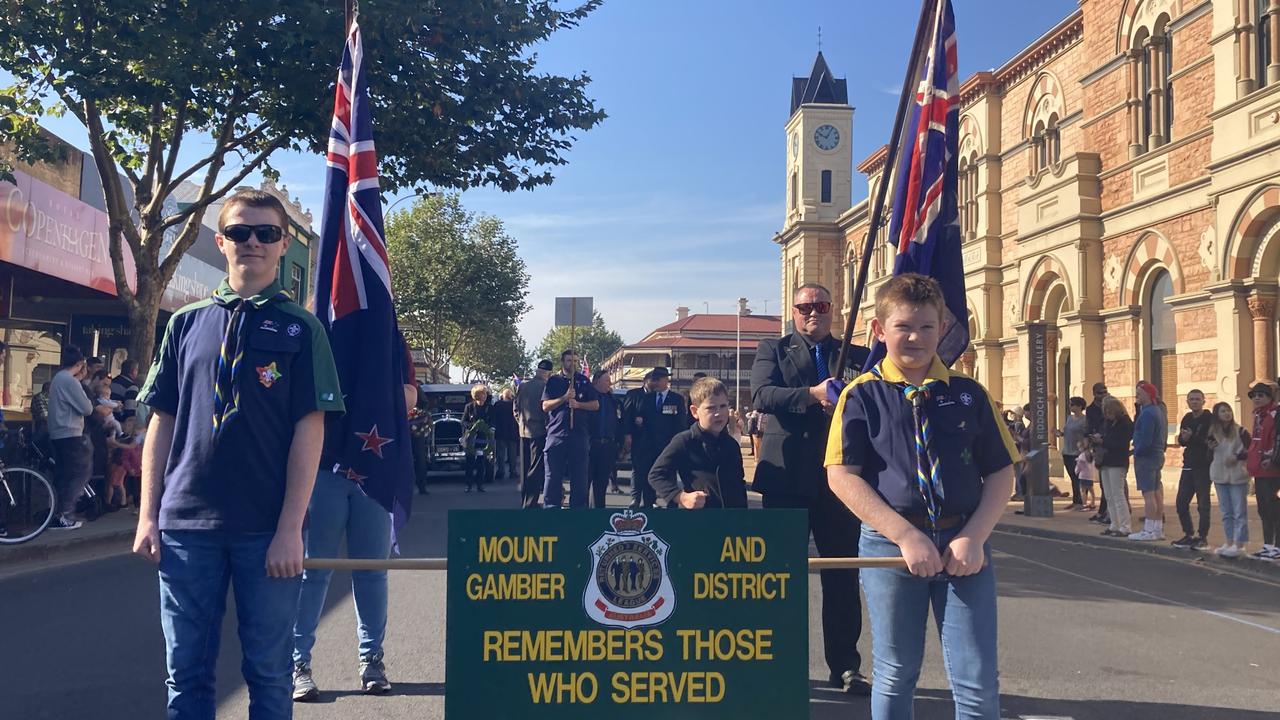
{"x": 1162, "y": 339}
{"x": 795, "y": 190}
{"x": 1143, "y": 41}
{"x": 826, "y": 186}
{"x": 1042, "y": 148}
{"x": 1165, "y": 58}
{"x": 1263, "y": 41}
{"x": 1053, "y": 141}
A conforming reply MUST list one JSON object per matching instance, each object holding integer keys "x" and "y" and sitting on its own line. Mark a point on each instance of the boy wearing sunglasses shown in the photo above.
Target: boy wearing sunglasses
{"x": 239, "y": 392}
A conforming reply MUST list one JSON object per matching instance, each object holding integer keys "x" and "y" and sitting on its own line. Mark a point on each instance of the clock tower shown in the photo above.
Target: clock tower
{"x": 819, "y": 139}
{"x": 819, "y": 147}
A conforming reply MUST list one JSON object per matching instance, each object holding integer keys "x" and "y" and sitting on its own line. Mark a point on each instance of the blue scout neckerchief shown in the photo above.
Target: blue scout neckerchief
{"x": 226, "y": 386}
{"x": 927, "y": 480}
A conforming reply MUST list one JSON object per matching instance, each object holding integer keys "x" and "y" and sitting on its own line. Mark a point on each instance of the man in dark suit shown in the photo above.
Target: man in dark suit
{"x": 659, "y": 415}
{"x": 790, "y": 380}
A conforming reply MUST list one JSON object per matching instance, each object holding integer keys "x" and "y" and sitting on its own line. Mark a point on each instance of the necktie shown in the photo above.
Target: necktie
{"x": 927, "y": 480}
{"x": 820, "y": 361}
{"x": 660, "y": 399}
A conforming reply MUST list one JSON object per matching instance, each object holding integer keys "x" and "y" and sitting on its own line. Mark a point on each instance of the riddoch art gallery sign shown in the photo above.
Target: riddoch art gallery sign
{"x": 656, "y": 614}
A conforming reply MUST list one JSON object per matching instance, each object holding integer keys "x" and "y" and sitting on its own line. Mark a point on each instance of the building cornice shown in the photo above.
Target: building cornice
{"x": 874, "y": 161}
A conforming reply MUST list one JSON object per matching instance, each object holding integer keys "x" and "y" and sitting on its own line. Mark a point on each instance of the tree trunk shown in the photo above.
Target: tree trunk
{"x": 143, "y": 314}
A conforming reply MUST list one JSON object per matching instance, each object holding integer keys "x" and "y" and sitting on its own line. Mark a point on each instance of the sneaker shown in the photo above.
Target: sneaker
{"x": 4, "y": 532}
{"x": 304, "y": 686}
{"x": 1186, "y": 542}
{"x": 1264, "y": 553}
{"x": 1199, "y": 544}
{"x": 1144, "y": 536}
{"x": 1270, "y": 552}
{"x": 373, "y": 675}
{"x": 1114, "y": 533}
{"x": 62, "y": 523}
{"x": 1228, "y": 551}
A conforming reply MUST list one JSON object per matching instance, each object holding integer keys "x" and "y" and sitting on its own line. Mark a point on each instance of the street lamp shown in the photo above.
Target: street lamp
{"x": 392, "y": 206}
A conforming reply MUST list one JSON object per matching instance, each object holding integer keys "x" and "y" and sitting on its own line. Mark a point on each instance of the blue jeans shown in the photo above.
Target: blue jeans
{"x": 339, "y": 507}
{"x": 964, "y": 609}
{"x": 196, "y": 566}
{"x": 566, "y": 457}
{"x": 1233, "y": 500}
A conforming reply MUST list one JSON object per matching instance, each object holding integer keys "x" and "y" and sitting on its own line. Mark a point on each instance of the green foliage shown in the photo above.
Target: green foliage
{"x": 597, "y": 342}
{"x": 460, "y": 286}
{"x": 457, "y": 100}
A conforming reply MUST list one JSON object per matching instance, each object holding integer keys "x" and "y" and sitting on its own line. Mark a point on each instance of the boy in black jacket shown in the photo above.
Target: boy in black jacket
{"x": 706, "y": 458}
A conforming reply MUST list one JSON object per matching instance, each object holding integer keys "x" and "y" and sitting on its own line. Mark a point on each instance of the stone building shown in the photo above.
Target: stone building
{"x": 1119, "y": 185}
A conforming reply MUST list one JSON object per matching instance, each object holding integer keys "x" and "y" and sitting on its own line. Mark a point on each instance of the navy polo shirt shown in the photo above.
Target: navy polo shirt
{"x": 234, "y": 480}
{"x": 874, "y": 429}
{"x": 558, "y": 429}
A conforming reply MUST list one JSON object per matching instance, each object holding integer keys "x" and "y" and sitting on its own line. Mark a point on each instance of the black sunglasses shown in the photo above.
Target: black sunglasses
{"x": 267, "y": 234}
{"x": 805, "y": 308}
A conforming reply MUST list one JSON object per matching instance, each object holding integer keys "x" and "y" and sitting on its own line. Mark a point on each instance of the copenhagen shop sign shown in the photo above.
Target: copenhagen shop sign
{"x": 590, "y": 614}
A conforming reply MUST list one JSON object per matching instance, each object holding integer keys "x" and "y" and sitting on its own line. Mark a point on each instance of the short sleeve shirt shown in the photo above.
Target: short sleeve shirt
{"x": 234, "y": 479}
{"x": 558, "y": 423}
{"x": 874, "y": 428}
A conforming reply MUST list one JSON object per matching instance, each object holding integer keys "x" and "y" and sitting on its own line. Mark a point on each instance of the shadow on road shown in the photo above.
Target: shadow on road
{"x": 931, "y": 704}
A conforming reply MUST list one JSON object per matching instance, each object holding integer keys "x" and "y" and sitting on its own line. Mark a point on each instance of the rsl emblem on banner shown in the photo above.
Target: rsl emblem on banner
{"x": 629, "y": 585}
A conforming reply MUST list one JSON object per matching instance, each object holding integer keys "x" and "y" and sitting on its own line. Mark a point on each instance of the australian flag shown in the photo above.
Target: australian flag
{"x": 370, "y": 444}
{"x": 924, "y": 227}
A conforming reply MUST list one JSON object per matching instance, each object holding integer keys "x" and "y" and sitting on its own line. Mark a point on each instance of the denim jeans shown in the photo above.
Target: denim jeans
{"x": 567, "y": 457}
{"x": 196, "y": 566}
{"x": 338, "y": 508}
{"x": 1233, "y": 500}
{"x": 964, "y": 609}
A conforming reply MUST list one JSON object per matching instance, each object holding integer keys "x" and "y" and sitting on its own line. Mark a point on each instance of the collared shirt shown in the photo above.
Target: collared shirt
{"x": 874, "y": 428}
{"x": 558, "y": 422}
{"x": 234, "y": 479}
{"x": 604, "y": 422}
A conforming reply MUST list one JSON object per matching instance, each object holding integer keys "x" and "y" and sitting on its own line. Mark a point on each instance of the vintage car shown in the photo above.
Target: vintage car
{"x": 442, "y": 406}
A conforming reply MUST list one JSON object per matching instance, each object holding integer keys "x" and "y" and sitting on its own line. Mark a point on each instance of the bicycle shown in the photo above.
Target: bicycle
{"x": 28, "y": 501}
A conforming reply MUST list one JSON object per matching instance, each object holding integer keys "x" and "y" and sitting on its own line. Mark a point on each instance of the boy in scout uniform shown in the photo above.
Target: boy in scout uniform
{"x": 919, "y": 453}
{"x": 239, "y": 392}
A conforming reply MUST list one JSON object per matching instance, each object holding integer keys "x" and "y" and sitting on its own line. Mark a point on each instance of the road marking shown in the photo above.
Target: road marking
{"x": 1214, "y": 613}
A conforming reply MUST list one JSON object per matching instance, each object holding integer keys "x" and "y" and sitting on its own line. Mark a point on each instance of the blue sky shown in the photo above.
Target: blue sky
{"x": 674, "y": 199}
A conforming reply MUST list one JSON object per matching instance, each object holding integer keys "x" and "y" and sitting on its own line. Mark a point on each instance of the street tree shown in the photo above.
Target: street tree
{"x": 459, "y": 282}
{"x": 185, "y": 90}
{"x": 494, "y": 354}
{"x": 595, "y": 343}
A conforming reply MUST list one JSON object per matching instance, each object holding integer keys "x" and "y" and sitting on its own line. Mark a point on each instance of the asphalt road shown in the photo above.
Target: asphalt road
{"x": 1085, "y": 633}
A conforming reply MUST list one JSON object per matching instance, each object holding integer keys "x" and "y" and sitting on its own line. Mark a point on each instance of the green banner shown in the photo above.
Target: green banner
{"x": 621, "y": 614}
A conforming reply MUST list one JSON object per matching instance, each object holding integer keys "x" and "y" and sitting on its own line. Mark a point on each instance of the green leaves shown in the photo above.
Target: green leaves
{"x": 460, "y": 285}
{"x": 596, "y": 342}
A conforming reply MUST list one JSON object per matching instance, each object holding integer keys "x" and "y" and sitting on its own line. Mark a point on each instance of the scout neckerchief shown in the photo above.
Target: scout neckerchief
{"x": 226, "y": 386}
{"x": 928, "y": 481}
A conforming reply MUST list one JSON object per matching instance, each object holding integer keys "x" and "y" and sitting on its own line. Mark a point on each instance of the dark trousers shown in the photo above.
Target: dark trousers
{"x": 1069, "y": 462}
{"x": 835, "y": 531}
{"x": 531, "y": 483}
{"x": 1268, "y": 508}
{"x": 1102, "y": 493}
{"x": 478, "y": 469}
{"x": 73, "y": 461}
{"x": 566, "y": 458}
{"x": 600, "y": 463}
{"x": 642, "y": 494}
{"x": 1194, "y": 481}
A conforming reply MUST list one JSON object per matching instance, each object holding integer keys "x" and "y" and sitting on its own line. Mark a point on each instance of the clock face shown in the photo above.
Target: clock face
{"x": 826, "y": 137}
{"x": 795, "y": 144}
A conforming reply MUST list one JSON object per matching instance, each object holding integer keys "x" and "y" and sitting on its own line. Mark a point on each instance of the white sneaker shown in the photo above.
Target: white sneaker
{"x": 1145, "y": 536}
{"x": 1270, "y": 552}
{"x": 1228, "y": 551}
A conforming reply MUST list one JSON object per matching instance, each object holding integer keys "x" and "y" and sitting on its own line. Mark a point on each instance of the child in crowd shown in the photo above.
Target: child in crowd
{"x": 1086, "y": 473}
{"x": 1229, "y": 448}
{"x": 920, "y": 454}
{"x": 706, "y": 457}
{"x": 110, "y": 425}
{"x": 125, "y": 447}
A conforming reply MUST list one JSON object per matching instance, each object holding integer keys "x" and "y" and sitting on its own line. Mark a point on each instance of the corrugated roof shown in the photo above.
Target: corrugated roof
{"x": 684, "y": 342}
{"x": 702, "y": 322}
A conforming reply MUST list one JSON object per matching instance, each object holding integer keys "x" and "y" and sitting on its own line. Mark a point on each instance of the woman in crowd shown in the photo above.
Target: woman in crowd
{"x": 1229, "y": 444}
{"x": 1150, "y": 430}
{"x": 1112, "y": 459}
{"x": 478, "y": 437}
{"x": 1072, "y": 434}
{"x": 1264, "y": 466}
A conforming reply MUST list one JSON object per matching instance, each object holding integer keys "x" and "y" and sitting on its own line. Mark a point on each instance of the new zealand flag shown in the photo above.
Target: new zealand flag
{"x": 370, "y": 444}
{"x": 924, "y": 227}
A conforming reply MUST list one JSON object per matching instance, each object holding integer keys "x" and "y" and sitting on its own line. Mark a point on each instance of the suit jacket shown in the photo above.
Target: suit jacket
{"x": 659, "y": 425}
{"x": 630, "y": 409}
{"x": 698, "y": 460}
{"x": 794, "y": 441}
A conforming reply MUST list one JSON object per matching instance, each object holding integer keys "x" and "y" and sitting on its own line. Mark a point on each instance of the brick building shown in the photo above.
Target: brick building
{"x": 1119, "y": 185}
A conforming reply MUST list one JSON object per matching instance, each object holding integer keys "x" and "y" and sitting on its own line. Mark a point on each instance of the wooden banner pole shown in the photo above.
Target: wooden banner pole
{"x": 815, "y": 564}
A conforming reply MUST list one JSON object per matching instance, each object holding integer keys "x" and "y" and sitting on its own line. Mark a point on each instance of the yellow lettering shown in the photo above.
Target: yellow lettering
{"x": 515, "y": 586}
{"x": 740, "y": 586}
{"x": 667, "y": 687}
{"x": 525, "y": 549}
{"x": 724, "y": 645}
{"x": 561, "y": 689}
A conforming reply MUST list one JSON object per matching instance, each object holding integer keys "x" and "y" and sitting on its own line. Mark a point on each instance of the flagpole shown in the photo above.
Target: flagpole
{"x": 877, "y": 208}
{"x": 348, "y": 14}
